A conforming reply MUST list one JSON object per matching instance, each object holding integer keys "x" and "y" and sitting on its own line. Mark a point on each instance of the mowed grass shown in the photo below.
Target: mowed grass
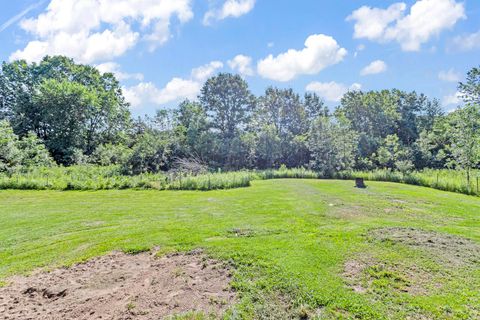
{"x": 287, "y": 240}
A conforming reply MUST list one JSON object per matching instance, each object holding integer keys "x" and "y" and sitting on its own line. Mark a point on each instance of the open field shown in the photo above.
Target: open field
{"x": 295, "y": 248}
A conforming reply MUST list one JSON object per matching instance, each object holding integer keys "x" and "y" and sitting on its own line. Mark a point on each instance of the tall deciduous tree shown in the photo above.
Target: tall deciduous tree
{"x": 228, "y": 103}
{"x": 333, "y": 145}
{"x": 470, "y": 89}
{"x": 466, "y": 129}
{"x": 283, "y": 113}
{"x": 105, "y": 119}
{"x": 466, "y": 138}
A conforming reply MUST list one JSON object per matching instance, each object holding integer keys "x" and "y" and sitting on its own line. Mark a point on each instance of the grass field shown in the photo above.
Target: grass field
{"x": 299, "y": 248}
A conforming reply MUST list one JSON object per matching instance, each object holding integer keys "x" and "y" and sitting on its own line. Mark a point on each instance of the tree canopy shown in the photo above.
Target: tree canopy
{"x": 77, "y": 114}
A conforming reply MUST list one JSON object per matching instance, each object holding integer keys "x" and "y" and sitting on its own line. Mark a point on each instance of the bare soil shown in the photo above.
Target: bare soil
{"x": 361, "y": 274}
{"x": 451, "y": 251}
{"x": 121, "y": 286}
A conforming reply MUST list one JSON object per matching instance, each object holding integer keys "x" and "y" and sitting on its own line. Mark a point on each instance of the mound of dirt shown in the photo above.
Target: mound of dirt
{"x": 449, "y": 250}
{"x": 121, "y": 286}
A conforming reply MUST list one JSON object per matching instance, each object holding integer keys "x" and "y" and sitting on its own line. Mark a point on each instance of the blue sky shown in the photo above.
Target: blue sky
{"x": 163, "y": 50}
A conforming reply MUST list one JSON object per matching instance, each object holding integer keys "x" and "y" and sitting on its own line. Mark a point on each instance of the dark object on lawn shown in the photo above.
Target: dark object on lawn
{"x": 359, "y": 183}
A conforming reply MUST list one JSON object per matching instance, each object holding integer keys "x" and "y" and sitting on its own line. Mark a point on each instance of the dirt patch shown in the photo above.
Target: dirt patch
{"x": 249, "y": 233}
{"x": 368, "y": 275}
{"x": 353, "y": 270}
{"x": 447, "y": 249}
{"x": 121, "y": 286}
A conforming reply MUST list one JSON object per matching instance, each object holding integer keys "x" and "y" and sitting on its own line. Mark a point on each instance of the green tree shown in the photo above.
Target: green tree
{"x": 25, "y": 153}
{"x": 470, "y": 90}
{"x": 150, "y": 153}
{"x": 192, "y": 129}
{"x": 372, "y": 115}
{"x": 34, "y": 153}
{"x": 434, "y": 146}
{"x": 466, "y": 138}
{"x": 466, "y": 129}
{"x": 377, "y": 115}
{"x": 282, "y": 113}
{"x": 314, "y": 106}
{"x": 332, "y": 144}
{"x": 10, "y": 154}
{"x": 228, "y": 103}
{"x": 394, "y": 155}
{"x": 108, "y": 154}
{"x": 65, "y": 117}
{"x": 267, "y": 147}
{"x": 25, "y": 89}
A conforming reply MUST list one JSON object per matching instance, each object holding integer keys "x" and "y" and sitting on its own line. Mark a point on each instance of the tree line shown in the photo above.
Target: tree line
{"x": 66, "y": 113}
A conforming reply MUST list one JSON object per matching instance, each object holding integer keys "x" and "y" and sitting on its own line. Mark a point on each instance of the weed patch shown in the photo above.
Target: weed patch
{"x": 449, "y": 250}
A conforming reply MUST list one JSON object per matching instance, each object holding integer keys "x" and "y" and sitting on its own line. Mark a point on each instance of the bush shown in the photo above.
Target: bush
{"x": 150, "y": 154}
{"x": 20, "y": 154}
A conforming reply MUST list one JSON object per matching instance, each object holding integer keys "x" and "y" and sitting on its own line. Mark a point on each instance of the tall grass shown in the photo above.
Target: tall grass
{"x": 284, "y": 173}
{"x": 212, "y": 181}
{"x": 91, "y": 177}
{"x": 105, "y": 178}
{"x": 447, "y": 180}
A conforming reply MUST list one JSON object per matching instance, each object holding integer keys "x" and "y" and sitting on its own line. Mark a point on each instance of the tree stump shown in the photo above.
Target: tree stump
{"x": 359, "y": 183}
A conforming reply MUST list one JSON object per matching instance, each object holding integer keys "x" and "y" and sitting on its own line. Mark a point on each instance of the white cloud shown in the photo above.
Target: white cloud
{"x": 370, "y": 23}
{"x": 320, "y": 52}
{"x": 426, "y": 19}
{"x": 112, "y": 67}
{"x": 147, "y": 93}
{"x": 242, "y": 64}
{"x": 377, "y": 66}
{"x": 360, "y": 48}
{"x": 449, "y": 76}
{"x": 204, "y": 72}
{"x": 454, "y": 99}
{"x": 93, "y": 30}
{"x": 467, "y": 42}
{"x": 332, "y": 91}
{"x": 230, "y": 9}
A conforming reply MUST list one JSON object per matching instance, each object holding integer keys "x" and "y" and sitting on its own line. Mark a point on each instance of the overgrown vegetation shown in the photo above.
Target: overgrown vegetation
{"x": 442, "y": 179}
{"x": 91, "y": 177}
{"x": 76, "y": 115}
{"x": 94, "y": 177}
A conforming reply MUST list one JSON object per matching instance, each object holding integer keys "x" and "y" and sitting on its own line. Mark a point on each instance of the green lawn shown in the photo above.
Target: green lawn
{"x": 288, "y": 240}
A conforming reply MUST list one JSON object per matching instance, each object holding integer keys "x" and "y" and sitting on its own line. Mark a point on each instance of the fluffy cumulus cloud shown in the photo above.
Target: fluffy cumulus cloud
{"x": 242, "y": 64}
{"x": 147, "y": 93}
{"x": 377, "y": 66}
{"x": 229, "y": 9}
{"x": 202, "y": 73}
{"x": 449, "y": 76}
{"x": 94, "y": 30}
{"x": 426, "y": 19}
{"x": 332, "y": 91}
{"x": 320, "y": 52}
